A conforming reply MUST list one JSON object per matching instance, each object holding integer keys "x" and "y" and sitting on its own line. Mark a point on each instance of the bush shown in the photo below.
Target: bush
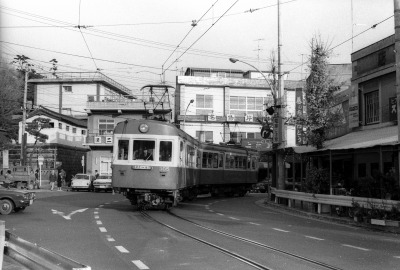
{"x": 317, "y": 181}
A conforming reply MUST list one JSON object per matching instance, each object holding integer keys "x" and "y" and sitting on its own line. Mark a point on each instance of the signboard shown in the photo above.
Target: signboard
{"x": 97, "y": 139}
{"x": 248, "y": 118}
{"x": 5, "y": 159}
{"x": 109, "y": 139}
{"x": 354, "y": 120}
{"x": 230, "y": 117}
{"x": 393, "y": 109}
{"x": 275, "y": 127}
{"x": 257, "y": 144}
{"x": 40, "y": 160}
{"x": 212, "y": 117}
{"x": 299, "y": 107}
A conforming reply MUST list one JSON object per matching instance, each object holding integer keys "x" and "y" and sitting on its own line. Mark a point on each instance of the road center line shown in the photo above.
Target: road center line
{"x": 110, "y": 239}
{"x": 96, "y": 217}
{"x": 96, "y": 212}
{"x": 220, "y": 214}
{"x": 102, "y": 229}
{"x": 397, "y": 257}
{"x": 122, "y": 249}
{"x": 315, "y": 238}
{"x": 98, "y": 222}
{"x": 233, "y": 218}
{"x": 279, "y": 230}
{"x": 253, "y": 223}
{"x": 360, "y": 248}
{"x": 140, "y": 265}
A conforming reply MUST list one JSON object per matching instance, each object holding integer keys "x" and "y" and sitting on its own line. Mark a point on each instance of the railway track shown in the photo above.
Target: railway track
{"x": 235, "y": 255}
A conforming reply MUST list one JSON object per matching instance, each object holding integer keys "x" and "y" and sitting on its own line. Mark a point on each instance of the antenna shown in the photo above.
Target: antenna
{"x": 258, "y": 51}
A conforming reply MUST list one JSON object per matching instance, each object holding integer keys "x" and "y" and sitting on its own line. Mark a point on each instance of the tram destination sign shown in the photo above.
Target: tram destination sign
{"x": 257, "y": 144}
{"x": 141, "y": 167}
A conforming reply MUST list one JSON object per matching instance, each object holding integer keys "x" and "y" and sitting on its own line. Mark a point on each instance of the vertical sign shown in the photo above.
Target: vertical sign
{"x": 5, "y": 159}
{"x": 275, "y": 124}
{"x": 392, "y": 109}
{"x": 299, "y": 112}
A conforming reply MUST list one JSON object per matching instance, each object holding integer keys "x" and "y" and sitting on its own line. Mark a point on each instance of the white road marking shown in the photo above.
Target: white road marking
{"x": 279, "y": 230}
{"x": 110, "y": 239}
{"x": 97, "y": 209}
{"x": 107, "y": 203}
{"x": 234, "y": 218}
{"x": 115, "y": 201}
{"x": 315, "y": 238}
{"x": 96, "y": 212}
{"x": 122, "y": 249}
{"x": 253, "y": 223}
{"x": 397, "y": 257}
{"x": 99, "y": 222}
{"x": 102, "y": 229}
{"x": 101, "y": 205}
{"x": 140, "y": 265}
{"x": 220, "y": 214}
{"x": 212, "y": 211}
{"x": 70, "y": 214}
{"x": 96, "y": 217}
{"x": 360, "y": 248}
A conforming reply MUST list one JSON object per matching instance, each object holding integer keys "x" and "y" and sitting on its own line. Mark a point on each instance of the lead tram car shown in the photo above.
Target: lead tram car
{"x": 157, "y": 164}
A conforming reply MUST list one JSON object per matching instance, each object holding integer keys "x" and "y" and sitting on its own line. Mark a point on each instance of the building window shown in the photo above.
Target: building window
{"x": 59, "y": 125}
{"x": 204, "y": 136}
{"x": 51, "y": 124}
{"x": 67, "y": 88}
{"x": 204, "y": 101}
{"x": 238, "y": 103}
{"x": 67, "y": 128}
{"x": 90, "y": 98}
{"x": 83, "y": 132}
{"x": 106, "y": 126}
{"x": 73, "y": 130}
{"x": 372, "y": 107}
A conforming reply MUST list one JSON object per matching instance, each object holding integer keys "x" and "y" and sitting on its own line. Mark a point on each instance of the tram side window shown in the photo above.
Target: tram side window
{"x": 221, "y": 161}
{"x": 254, "y": 163}
{"x": 190, "y": 156}
{"x": 165, "y": 151}
{"x": 208, "y": 160}
{"x": 198, "y": 159}
{"x": 123, "y": 146}
{"x": 143, "y": 149}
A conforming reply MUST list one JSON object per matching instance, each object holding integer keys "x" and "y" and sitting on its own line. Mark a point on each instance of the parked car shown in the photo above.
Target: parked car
{"x": 14, "y": 199}
{"x": 261, "y": 187}
{"x": 82, "y": 181}
{"x": 103, "y": 182}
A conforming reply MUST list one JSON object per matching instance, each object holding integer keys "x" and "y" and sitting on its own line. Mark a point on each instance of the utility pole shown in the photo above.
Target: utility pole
{"x": 280, "y": 114}
{"x": 23, "y": 136}
{"x": 397, "y": 50}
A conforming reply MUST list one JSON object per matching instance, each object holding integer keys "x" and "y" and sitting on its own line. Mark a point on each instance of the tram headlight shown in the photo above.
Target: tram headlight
{"x": 143, "y": 128}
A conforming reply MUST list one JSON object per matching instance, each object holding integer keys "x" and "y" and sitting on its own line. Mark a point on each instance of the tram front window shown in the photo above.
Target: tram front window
{"x": 143, "y": 150}
{"x": 165, "y": 151}
{"x": 123, "y": 146}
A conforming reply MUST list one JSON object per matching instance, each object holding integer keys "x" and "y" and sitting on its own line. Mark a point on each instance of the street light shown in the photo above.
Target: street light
{"x": 184, "y": 118}
{"x": 273, "y": 90}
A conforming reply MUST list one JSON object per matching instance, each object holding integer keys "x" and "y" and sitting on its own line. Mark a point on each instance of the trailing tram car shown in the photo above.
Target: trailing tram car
{"x": 157, "y": 164}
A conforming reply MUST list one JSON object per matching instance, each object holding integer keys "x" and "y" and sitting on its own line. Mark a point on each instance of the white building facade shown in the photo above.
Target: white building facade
{"x": 228, "y": 107}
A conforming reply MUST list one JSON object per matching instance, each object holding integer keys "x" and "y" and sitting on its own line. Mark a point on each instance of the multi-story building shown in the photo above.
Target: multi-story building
{"x": 221, "y": 106}
{"x": 68, "y": 93}
{"x": 63, "y": 146}
{"x": 107, "y": 111}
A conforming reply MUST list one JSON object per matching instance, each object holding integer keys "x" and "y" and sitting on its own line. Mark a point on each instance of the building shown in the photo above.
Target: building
{"x": 105, "y": 112}
{"x": 68, "y": 93}
{"x": 63, "y": 147}
{"x": 221, "y": 106}
{"x": 362, "y": 156}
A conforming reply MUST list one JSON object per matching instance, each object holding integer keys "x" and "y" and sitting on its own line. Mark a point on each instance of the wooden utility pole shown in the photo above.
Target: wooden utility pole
{"x": 23, "y": 137}
{"x": 397, "y": 50}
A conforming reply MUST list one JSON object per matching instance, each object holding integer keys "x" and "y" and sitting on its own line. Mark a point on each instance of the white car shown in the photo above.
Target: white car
{"x": 82, "y": 181}
{"x": 103, "y": 182}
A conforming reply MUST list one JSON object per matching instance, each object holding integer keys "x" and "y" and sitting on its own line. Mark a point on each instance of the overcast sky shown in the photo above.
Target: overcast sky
{"x": 131, "y": 40}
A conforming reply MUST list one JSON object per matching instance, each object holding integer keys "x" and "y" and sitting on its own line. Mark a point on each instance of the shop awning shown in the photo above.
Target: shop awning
{"x": 358, "y": 139}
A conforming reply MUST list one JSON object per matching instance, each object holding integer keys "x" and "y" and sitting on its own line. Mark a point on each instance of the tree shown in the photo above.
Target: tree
{"x": 11, "y": 90}
{"x": 321, "y": 114}
{"x": 34, "y": 128}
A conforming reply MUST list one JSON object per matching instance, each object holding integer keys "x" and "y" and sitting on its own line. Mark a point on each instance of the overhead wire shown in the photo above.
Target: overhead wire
{"x": 201, "y": 36}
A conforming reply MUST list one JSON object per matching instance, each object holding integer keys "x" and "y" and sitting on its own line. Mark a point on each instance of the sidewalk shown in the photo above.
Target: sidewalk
{"x": 325, "y": 217}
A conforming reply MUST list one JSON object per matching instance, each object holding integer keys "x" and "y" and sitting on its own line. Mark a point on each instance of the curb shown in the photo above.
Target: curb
{"x": 325, "y": 217}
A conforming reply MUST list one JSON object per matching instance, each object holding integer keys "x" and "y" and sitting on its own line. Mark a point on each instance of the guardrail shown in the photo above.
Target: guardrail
{"x": 336, "y": 200}
{"x": 35, "y": 257}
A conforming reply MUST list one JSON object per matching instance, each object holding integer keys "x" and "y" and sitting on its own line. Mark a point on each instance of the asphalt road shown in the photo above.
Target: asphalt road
{"x": 103, "y": 231}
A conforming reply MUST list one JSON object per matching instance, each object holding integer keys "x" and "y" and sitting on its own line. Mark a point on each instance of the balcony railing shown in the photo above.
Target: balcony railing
{"x": 120, "y": 102}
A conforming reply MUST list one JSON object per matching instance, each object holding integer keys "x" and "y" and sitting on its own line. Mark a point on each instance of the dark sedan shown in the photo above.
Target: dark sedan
{"x": 14, "y": 199}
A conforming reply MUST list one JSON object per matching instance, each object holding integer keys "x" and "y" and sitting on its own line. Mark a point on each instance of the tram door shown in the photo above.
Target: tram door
{"x": 182, "y": 164}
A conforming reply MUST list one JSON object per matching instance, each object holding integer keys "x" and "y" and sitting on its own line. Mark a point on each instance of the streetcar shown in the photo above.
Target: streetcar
{"x": 157, "y": 164}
